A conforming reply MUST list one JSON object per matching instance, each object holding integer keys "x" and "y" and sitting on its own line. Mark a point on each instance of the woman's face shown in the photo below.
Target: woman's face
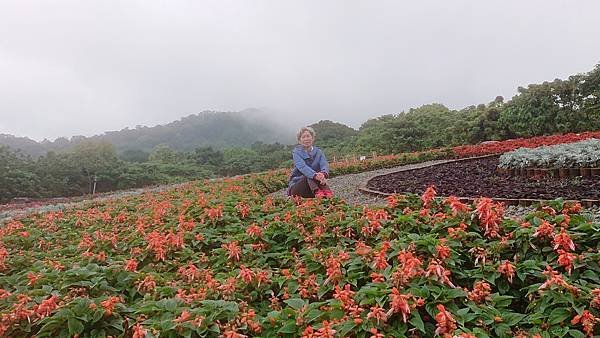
{"x": 306, "y": 139}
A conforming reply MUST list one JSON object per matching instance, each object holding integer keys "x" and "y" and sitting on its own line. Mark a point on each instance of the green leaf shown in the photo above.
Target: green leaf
{"x": 416, "y": 321}
{"x": 289, "y": 327}
{"x": 75, "y": 326}
{"x": 295, "y": 303}
{"x": 576, "y": 334}
{"x": 558, "y": 315}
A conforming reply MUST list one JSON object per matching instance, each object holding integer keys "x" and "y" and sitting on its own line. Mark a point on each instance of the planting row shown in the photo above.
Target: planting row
{"x": 499, "y": 147}
{"x": 583, "y": 154}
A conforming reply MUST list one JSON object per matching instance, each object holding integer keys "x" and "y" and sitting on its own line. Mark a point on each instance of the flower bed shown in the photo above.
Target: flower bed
{"x": 500, "y": 147}
{"x": 582, "y": 154}
{"x": 220, "y": 259}
{"x": 473, "y": 178}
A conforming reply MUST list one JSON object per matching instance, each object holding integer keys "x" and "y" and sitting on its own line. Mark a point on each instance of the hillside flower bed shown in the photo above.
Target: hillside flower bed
{"x": 221, "y": 259}
{"x": 500, "y": 147}
{"x": 579, "y": 154}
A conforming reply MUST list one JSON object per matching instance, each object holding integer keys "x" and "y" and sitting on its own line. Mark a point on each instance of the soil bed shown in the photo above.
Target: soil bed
{"x": 478, "y": 177}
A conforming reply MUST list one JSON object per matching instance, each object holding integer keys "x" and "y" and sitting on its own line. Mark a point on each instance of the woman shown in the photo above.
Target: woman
{"x": 311, "y": 170}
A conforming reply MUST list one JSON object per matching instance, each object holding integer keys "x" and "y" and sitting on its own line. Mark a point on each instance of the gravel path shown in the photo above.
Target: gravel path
{"x": 344, "y": 187}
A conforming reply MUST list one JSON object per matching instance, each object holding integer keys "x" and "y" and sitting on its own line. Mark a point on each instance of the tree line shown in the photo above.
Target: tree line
{"x": 560, "y": 106}
{"x": 73, "y": 173}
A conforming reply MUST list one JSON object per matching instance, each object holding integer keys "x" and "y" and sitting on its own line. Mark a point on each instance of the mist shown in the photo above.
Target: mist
{"x": 82, "y": 68}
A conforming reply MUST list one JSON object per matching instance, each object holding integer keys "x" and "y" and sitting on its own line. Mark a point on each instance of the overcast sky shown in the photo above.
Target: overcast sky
{"x": 85, "y": 67}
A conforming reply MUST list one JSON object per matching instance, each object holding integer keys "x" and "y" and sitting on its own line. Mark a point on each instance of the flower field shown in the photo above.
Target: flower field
{"x": 224, "y": 259}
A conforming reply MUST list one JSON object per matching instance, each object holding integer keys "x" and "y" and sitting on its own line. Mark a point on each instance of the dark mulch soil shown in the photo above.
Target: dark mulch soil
{"x": 478, "y": 177}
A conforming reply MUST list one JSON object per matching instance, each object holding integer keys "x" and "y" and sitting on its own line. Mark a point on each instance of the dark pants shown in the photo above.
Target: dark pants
{"x": 306, "y": 187}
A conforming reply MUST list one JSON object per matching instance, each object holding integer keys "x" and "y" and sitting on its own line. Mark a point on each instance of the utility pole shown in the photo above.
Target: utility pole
{"x": 94, "y": 189}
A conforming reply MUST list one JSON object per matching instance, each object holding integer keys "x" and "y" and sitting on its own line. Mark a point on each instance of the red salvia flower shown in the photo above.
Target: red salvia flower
{"x": 446, "y": 324}
{"x": 587, "y": 320}
{"x": 595, "y": 303}
{"x": 243, "y": 209}
{"x": 399, "y": 304}
{"x": 138, "y": 331}
{"x": 563, "y": 240}
{"x": 490, "y": 216}
{"x": 507, "y": 270}
{"x": 184, "y": 317}
{"x": 443, "y": 251}
{"x": 46, "y": 307}
{"x": 556, "y": 279}
{"x": 246, "y": 274}
{"x": 254, "y": 230}
{"x": 544, "y": 230}
{"x": 234, "y": 251}
{"x": 436, "y": 269}
{"x": 130, "y": 265}
{"x": 456, "y": 205}
{"x": 377, "y": 313}
{"x": 428, "y": 196}
{"x": 481, "y": 292}
{"x": 566, "y": 259}
{"x": 109, "y": 305}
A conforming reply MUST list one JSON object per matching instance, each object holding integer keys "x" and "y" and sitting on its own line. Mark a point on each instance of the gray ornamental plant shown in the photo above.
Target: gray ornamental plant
{"x": 579, "y": 154}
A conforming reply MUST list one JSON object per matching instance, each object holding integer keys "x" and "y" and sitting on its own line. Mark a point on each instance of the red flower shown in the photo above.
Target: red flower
{"x": 246, "y": 274}
{"x": 556, "y": 279}
{"x": 254, "y": 230}
{"x": 566, "y": 259}
{"x": 334, "y": 269}
{"x": 46, "y": 307}
{"x": 131, "y": 265}
{"x": 375, "y": 333}
{"x": 243, "y": 209}
{"x": 399, "y": 303}
{"x": 436, "y": 269}
{"x": 428, "y": 196}
{"x": 377, "y": 313}
{"x": 563, "y": 240}
{"x": 443, "y": 251}
{"x": 184, "y": 317}
{"x": 138, "y": 331}
{"x": 234, "y": 250}
{"x": 456, "y": 205}
{"x": 446, "y": 324}
{"x": 490, "y": 215}
{"x": 595, "y": 303}
{"x": 481, "y": 292}
{"x": 507, "y": 270}
{"x": 544, "y": 230}
{"x": 109, "y": 305}
{"x": 587, "y": 320}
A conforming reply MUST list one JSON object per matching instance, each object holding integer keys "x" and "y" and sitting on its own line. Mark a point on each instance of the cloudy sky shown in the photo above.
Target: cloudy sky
{"x": 85, "y": 67}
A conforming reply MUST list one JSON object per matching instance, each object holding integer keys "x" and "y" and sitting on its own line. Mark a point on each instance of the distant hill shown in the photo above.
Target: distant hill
{"x": 208, "y": 128}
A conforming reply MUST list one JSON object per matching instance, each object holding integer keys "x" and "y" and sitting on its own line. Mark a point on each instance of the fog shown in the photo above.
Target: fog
{"x": 84, "y": 67}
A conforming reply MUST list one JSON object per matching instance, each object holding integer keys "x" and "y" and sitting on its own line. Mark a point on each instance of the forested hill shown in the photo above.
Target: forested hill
{"x": 216, "y": 129}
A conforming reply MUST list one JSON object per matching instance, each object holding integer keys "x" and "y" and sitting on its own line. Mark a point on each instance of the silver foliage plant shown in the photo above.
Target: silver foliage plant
{"x": 579, "y": 154}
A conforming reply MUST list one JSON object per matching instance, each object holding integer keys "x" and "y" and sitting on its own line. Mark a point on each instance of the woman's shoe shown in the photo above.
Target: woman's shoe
{"x": 319, "y": 193}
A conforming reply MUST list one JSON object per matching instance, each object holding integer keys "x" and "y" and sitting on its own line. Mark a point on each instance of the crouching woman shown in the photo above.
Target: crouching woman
{"x": 311, "y": 170}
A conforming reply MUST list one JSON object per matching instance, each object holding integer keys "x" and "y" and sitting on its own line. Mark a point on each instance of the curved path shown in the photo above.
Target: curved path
{"x": 344, "y": 187}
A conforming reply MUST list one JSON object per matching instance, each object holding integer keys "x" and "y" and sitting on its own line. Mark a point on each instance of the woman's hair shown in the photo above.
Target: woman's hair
{"x": 308, "y": 129}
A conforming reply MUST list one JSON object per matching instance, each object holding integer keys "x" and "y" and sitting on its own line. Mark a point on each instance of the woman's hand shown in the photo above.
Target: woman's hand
{"x": 321, "y": 178}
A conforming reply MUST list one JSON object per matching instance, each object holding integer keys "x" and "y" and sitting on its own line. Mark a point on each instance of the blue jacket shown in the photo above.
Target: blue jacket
{"x": 307, "y": 164}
